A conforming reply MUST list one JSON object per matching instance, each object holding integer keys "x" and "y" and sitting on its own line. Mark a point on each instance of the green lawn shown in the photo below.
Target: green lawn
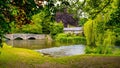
{"x": 11, "y": 57}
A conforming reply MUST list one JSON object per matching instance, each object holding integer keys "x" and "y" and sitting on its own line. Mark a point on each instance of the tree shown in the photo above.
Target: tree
{"x": 14, "y": 11}
{"x": 66, "y": 18}
{"x": 4, "y": 22}
{"x": 114, "y": 22}
{"x": 102, "y": 30}
{"x": 94, "y": 7}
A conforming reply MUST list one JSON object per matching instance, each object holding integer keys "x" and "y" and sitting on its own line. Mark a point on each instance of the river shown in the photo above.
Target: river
{"x": 51, "y": 48}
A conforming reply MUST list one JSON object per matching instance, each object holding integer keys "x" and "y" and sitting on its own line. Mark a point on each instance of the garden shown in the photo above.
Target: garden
{"x": 100, "y": 22}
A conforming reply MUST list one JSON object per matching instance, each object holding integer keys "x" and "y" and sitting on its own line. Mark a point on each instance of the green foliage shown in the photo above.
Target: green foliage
{"x": 28, "y": 6}
{"x": 70, "y": 38}
{"x": 94, "y": 7}
{"x": 13, "y": 27}
{"x": 98, "y": 36}
{"x": 34, "y": 28}
{"x": 14, "y": 10}
{"x": 115, "y": 18}
{"x": 90, "y": 50}
{"x": 114, "y": 22}
{"x": 89, "y": 33}
{"x": 4, "y": 27}
{"x": 56, "y": 28}
{"x": 103, "y": 30}
{"x": 38, "y": 18}
{"x": 117, "y": 41}
{"x": 44, "y": 19}
{"x": 108, "y": 43}
{"x": 29, "y": 28}
{"x": 104, "y": 46}
{"x": 82, "y": 21}
{"x": 60, "y": 36}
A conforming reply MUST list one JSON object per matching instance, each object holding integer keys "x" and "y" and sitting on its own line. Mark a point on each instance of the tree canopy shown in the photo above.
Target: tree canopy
{"x": 17, "y": 15}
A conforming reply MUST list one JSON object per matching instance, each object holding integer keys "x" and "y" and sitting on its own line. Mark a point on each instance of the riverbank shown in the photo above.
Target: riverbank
{"x": 11, "y": 57}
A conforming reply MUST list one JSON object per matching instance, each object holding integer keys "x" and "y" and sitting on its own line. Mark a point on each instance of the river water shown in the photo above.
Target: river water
{"x": 51, "y": 48}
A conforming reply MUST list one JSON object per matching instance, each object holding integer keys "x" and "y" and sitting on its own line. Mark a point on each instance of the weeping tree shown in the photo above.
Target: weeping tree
{"x": 100, "y": 31}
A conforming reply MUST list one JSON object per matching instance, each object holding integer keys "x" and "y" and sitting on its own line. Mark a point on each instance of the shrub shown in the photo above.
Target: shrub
{"x": 82, "y": 21}
{"x": 42, "y": 18}
{"x": 56, "y": 28}
{"x": 60, "y": 36}
{"x": 79, "y": 39}
{"x": 89, "y": 50}
{"x": 63, "y": 40}
{"x": 37, "y": 29}
{"x": 70, "y": 38}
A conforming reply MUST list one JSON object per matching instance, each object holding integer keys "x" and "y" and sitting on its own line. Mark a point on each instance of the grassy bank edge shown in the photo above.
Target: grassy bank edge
{"x": 10, "y": 56}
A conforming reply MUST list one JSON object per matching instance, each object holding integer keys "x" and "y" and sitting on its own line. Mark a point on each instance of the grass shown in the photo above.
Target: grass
{"x": 11, "y": 57}
{"x": 19, "y": 55}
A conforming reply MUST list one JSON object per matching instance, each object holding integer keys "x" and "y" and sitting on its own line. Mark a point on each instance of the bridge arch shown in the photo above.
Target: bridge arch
{"x": 31, "y": 38}
{"x": 18, "y": 38}
{"x": 25, "y": 36}
{"x": 7, "y": 38}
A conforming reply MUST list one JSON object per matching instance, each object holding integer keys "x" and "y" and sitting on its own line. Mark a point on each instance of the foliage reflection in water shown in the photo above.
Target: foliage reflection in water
{"x": 49, "y": 47}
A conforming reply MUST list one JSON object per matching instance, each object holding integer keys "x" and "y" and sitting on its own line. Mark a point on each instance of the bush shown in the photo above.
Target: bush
{"x": 42, "y": 18}
{"x": 56, "y": 28}
{"x": 63, "y": 40}
{"x": 36, "y": 29}
{"x": 117, "y": 42}
{"x": 90, "y": 50}
{"x": 79, "y": 39}
{"x": 39, "y": 17}
{"x": 82, "y": 21}
{"x": 69, "y": 38}
{"x": 60, "y": 36}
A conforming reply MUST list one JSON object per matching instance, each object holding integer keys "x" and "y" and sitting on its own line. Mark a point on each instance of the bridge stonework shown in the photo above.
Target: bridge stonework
{"x": 25, "y": 36}
{"x": 75, "y": 30}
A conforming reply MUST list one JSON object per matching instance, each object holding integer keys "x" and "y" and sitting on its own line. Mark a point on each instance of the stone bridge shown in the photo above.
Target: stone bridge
{"x": 75, "y": 30}
{"x": 25, "y": 36}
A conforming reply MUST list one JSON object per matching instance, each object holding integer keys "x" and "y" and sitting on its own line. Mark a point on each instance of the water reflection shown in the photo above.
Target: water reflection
{"x": 49, "y": 47}
{"x": 63, "y": 50}
{"x": 35, "y": 44}
{"x": 30, "y": 44}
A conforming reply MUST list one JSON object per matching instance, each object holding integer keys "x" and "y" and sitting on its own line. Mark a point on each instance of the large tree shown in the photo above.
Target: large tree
{"x": 102, "y": 29}
{"x": 4, "y": 21}
{"x": 18, "y": 11}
